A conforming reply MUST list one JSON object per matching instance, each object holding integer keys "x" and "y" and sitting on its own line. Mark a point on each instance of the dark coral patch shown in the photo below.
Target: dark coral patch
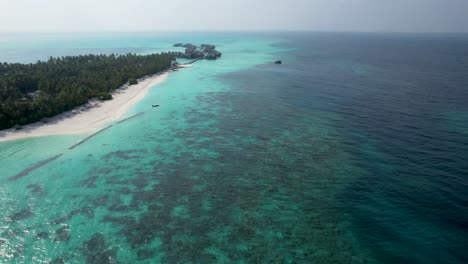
{"x": 35, "y": 188}
{"x": 58, "y": 260}
{"x": 98, "y": 251}
{"x": 90, "y": 182}
{"x": 21, "y": 215}
{"x": 42, "y": 235}
{"x": 62, "y": 234}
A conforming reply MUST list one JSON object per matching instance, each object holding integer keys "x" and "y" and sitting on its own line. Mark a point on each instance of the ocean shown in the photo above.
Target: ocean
{"x": 354, "y": 150}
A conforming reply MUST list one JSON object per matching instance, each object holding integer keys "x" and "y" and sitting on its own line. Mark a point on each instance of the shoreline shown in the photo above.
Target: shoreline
{"x": 91, "y": 116}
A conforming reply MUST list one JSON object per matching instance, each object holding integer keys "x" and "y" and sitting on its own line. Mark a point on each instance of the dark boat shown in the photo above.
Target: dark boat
{"x": 278, "y": 62}
{"x": 155, "y": 105}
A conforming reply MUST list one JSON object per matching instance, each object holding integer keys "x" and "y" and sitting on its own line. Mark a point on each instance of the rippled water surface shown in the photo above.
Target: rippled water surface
{"x": 354, "y": 150}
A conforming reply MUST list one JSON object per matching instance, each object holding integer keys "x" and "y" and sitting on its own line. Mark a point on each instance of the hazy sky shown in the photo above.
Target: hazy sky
{"x": 179, "y": 15}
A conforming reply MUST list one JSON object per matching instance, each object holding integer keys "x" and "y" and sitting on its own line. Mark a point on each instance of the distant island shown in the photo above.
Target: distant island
{"x": 205, "y": 51}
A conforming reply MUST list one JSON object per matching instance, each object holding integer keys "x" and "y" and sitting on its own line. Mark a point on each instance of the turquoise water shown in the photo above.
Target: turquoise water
{"x": 312, "y": 161}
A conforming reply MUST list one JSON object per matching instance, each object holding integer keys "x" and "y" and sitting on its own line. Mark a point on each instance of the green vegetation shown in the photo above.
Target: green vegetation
{"x": 132, "y": 81}
{"x": 31, "y": 92}
{"x": 104, "y": 96}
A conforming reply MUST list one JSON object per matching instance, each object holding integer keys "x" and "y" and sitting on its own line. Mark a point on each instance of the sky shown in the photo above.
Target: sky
{"x": 234, "y": 15}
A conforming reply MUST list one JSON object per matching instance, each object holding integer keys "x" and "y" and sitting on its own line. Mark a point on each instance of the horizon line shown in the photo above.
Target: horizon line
{"x": 231, "y": 31}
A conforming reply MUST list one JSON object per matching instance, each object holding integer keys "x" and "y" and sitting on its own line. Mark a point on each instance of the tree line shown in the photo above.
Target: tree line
{"x": 31, "y": 92}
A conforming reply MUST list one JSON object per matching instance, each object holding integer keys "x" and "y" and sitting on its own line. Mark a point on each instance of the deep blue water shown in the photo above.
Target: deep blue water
{"x": 399, "y": 104}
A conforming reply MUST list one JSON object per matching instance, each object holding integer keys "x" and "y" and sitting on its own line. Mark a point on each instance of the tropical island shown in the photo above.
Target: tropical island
{"x": 80, "y": 94}
{"x": 32, "y": 92}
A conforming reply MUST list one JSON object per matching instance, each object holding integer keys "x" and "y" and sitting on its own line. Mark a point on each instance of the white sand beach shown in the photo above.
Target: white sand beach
{"x": 90, "y": 117}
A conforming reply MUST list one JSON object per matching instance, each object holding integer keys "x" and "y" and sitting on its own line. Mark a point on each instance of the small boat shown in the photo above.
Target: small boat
{"x": 155, "y": 105}
{"x": 278, "y": 62}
